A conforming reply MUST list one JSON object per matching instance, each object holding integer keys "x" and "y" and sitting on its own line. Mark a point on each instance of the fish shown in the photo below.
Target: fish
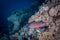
{"x": 38, "y": 24}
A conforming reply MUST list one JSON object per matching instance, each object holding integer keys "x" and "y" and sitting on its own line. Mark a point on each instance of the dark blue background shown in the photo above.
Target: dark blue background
{"x": 6, "y": 6}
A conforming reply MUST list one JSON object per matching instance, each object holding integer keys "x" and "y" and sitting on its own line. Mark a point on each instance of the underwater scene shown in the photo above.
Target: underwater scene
{"x": 39, "y": 21}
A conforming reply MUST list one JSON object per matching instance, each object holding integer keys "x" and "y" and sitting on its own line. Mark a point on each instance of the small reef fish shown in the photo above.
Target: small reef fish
{"x": 38, "y": 24}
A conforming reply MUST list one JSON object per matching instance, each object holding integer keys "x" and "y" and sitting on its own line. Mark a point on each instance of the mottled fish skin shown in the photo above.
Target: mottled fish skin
{"x": 37, "y": 24}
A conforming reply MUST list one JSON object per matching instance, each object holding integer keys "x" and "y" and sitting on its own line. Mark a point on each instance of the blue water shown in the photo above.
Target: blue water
{"x": 6, "y": 6}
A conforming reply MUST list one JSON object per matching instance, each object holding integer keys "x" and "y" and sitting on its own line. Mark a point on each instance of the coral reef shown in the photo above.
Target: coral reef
{"x": 43, "y": 25}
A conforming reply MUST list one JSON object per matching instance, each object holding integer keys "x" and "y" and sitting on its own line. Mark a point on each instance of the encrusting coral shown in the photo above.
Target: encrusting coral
{"x": 52, "y": 29}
